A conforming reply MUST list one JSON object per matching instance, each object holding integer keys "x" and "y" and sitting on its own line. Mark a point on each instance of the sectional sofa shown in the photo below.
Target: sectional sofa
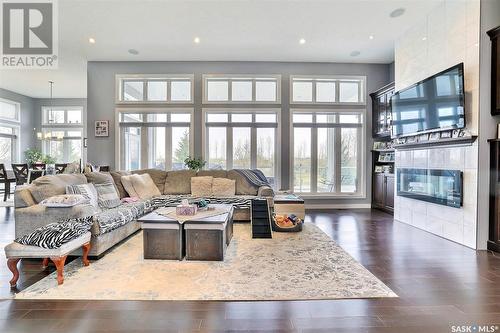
{"x": 111, "y": 226}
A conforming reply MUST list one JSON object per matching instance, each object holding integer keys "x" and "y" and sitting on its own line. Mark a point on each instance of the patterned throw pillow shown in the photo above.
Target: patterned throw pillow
{"x": 64, "y": 200}
{"x": 107, "y": 196}
{"x": 54, "y": 235}
{"x": 87, "y": 190}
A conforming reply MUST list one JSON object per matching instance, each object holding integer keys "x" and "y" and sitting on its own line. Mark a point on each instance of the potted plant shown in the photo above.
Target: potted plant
{"x": 195, "y": 164}
{"x": 33, "y": 155}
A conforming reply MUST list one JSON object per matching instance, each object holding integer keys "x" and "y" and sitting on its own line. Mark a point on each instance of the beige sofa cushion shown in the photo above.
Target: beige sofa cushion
{"x": 23, "y": 196}
{"x": 178, "y": 182}
{"x": 144, "y": 186}
{"x": 213, "y": 173}
{"x": 158, "y": 176}
{"x": 243, "y": 186}
{"x": 223, "y": 187}
{"x": 51, "y": 185}
{"x": 127, "y": 185}
{"x": 201, "y": 186}
{"x": 99, "y": 177}
{"x": 117, "y": 178}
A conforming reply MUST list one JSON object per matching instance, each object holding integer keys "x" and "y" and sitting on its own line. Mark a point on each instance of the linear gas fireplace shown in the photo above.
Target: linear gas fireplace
{"x": 442, "y": 187}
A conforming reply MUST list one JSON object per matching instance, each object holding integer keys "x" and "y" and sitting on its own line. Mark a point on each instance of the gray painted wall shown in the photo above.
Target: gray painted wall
{"x": 490, "y": 18}
{"x": 392, "y": 69}
{"x": 28, "y": 122}
{"x": 101, "y": 99}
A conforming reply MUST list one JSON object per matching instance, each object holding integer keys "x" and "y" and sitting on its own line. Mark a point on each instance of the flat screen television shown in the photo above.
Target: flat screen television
{"x": 434, "y": 104}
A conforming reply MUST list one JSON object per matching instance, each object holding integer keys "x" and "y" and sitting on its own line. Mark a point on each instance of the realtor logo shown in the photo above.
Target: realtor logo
{"x": 29, "y": 34}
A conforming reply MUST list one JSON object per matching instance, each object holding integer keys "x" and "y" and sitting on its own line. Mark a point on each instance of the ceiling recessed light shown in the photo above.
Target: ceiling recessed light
{"x": 197, "y": 40}
{"x": 397, "y": 12}
{"x": 355, "y": 53}
{"x": 133, "y": 51}
{"x": 91, "y": 40}
{"x": 424, "y": 38}
{"x": 371, "y": 37}
{"x": 302, "y": 41}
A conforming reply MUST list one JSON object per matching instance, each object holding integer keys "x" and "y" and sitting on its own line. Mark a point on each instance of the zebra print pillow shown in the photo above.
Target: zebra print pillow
{"x": 54, "y": 235}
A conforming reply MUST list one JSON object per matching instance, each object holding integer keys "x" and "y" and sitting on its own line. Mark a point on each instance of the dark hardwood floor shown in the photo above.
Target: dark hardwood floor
{"x": 439, "y": 284}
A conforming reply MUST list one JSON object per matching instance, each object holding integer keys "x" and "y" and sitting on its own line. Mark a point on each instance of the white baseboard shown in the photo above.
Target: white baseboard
{"x": 337, "y": 206}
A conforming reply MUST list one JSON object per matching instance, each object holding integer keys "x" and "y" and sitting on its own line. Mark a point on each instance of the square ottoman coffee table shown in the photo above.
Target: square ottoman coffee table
{"x": 162, "y": 237}
{"x": 207, "y": 238}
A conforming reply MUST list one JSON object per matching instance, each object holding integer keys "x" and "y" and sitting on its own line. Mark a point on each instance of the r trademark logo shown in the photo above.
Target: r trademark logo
{"x": 29, "y": 34}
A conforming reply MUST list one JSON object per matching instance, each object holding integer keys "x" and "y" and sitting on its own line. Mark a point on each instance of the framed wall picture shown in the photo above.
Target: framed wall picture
{"x": 495, "y": 70}
{"x": 102, "y": 128}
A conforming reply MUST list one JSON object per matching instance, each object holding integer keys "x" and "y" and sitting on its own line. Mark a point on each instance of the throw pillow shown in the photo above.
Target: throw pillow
{"x": 117, "y": 178}
{"x": 107, "y": 196}
{"x": 201, "y": 186}
{"x": 64, "y": 200}
{"x": 223, "y": 187}
{"x": 87, "y": 190}
{"x": 127, "y": 185}
{"x": 144, "y": 186}
{"x": 99, "y": 177}
{"x": 54, "y": 235}
{"x": 50, "y": 185}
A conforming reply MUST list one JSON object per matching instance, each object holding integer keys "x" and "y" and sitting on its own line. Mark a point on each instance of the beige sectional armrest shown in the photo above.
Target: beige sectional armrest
{"x": 30, "y": 218}
{"x": 23, "y": 197}
{"x": 265, "y": 191}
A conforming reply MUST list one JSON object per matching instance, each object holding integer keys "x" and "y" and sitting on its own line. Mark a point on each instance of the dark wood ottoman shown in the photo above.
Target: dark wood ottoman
{"x": 208, "y": 238}
{"x": 162, "y": 237}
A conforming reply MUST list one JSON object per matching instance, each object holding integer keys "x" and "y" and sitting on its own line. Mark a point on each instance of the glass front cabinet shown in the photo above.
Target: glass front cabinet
{"x": 381, "y": 111}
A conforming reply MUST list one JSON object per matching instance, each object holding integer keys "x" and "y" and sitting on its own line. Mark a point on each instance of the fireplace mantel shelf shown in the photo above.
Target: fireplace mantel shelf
{"x": 467, "y": 140}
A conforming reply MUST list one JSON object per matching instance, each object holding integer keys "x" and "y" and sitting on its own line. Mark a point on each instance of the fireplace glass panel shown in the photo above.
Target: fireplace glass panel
{"x": 442, "y": 187}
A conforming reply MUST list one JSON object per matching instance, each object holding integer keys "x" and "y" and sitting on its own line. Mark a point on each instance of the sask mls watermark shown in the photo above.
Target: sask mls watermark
{"x": 29, "y": 34}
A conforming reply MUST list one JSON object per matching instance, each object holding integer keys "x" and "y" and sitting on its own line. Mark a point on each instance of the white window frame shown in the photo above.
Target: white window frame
{"x": 45, "y": 112}
{"x": 65, "y": 129}
{"x": 329, "y": 78}
{"x": 49, "y": 127}
{"x": 243, "y": 77}
{"x": 121, "y": 78}
{"x": 15, "y": 124}
{"x": 144, "y": 152}
{"x": 253, "y": 126}
{"x": 361, "y": 162}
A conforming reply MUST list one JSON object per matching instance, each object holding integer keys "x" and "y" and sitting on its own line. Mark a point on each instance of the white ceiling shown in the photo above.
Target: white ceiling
{"x": 244, "y": 30}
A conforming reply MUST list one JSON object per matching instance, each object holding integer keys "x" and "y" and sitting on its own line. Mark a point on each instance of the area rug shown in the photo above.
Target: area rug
{"x": 290, "y": 266}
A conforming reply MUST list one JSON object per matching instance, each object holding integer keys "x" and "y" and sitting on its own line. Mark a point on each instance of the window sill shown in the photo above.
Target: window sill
{"x": 330, "y": 196}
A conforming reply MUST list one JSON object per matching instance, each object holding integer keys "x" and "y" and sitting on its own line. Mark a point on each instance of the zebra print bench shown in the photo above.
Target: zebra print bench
{"x": 16, "y": 251}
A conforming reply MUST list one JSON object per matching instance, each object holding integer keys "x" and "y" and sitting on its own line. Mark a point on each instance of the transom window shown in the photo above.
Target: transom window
{"x": 9, "y": 132}
{"x": 160, "y": 139}
{"x": 62, "y": 115}
{"x": 327, "y": 156}
{"x": 241, "y": 89}
{"x": 136, "y": 89}
{"x": 242, "y": 139}
{"x": 327, "y": 90}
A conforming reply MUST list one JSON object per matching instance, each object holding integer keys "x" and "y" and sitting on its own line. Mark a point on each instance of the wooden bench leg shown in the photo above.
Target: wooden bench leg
{"x": 86, "y": 249}
{"x": 12, "y": 265}
{"x": 59, "y": 262}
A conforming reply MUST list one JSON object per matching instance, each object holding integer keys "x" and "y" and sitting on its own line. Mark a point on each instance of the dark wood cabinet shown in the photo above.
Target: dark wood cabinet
{"x": 381, "y": 111}
{"x": 494, "y": 230}
{"x": 383, "y": 191}
{"x": 495, "y": 70}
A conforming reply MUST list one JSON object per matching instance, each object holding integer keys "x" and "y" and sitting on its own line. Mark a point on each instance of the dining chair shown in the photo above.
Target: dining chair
{"x": 5, "y": 180}
{"x": 21, "y": 173}
{"x": 38, "y": 166}
{"x": 60, "y": 167}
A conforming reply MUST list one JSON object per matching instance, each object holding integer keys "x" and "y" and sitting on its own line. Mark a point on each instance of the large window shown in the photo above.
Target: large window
{"x": 242, "y": 139}
{"x": 243, "y": 89}
{"x": 62, "y": 133}
{"x": 140, "y": 89}
{"x": 327, "y": 89}
{"x": 154, "y": 138}
{"x": 9, "y": 132}
{"x": 327, "y": 155}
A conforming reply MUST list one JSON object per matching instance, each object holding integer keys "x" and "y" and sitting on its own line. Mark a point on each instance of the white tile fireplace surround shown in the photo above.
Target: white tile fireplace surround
{"x": 456, "y": 224}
